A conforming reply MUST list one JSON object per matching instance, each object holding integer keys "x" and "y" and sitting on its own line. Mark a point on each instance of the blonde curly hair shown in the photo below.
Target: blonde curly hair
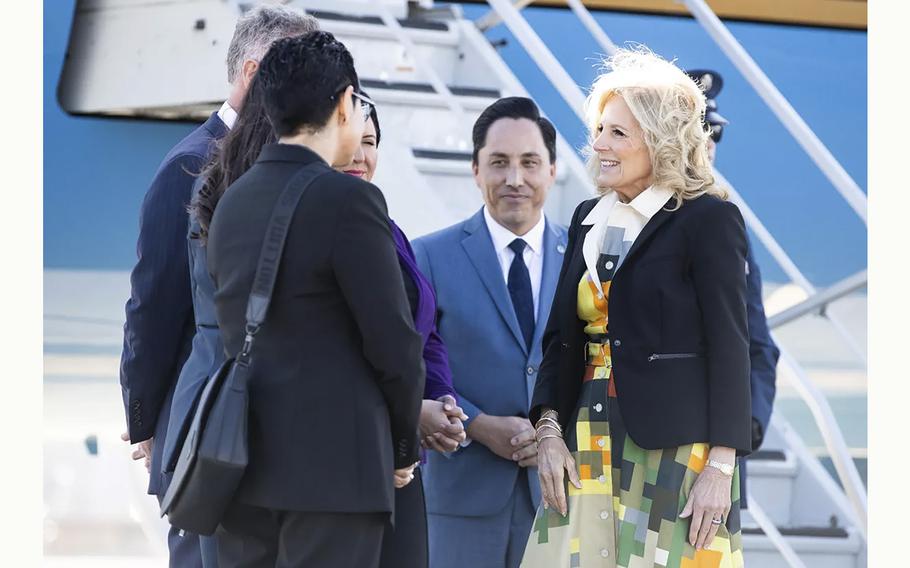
{"x": 669, "y": 106}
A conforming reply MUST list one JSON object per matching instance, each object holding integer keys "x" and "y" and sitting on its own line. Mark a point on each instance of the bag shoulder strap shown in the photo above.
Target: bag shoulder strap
{"x": 272, "y": 248}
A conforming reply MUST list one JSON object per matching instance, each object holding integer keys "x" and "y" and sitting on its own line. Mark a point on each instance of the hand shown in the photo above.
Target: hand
{"x": 143, "y": 450}
{"x": 554, "y": 458}
{"x": 509, "y": 437}
{"x": 441, "y": 426}
{"x": 708, "y": 499}
{"x": 404, "y": 475}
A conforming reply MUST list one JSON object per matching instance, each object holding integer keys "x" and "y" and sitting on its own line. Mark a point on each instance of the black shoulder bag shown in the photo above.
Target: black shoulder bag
{"x": 214, "y": 454}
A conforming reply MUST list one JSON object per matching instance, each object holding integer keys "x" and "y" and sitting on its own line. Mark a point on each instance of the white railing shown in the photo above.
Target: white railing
{"x": 777, "y": 539}
{"x": 779, "y": 105}
{"x": 571, "y": 93}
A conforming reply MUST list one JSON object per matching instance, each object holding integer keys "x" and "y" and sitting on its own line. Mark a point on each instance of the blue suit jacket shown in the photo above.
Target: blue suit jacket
{"x": 159, "y": 314}
{"x": 207, "y": 352}
{"x": 492, "y": 370}
{"x": 762, "y": 351}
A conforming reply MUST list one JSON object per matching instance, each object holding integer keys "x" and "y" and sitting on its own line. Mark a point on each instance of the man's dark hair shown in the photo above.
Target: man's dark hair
{"x": 301, "y": 78}
{"x": 513, "y": 107}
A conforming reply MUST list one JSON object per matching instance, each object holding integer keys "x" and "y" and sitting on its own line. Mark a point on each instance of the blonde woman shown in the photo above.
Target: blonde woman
{"x": 642, "y": 401}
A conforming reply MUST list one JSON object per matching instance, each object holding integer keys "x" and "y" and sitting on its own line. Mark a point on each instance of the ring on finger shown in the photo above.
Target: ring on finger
{"x": 717, "y": 521}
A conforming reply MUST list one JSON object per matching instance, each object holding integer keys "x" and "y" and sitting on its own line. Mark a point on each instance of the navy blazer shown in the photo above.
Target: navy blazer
{"x": 207, "y": 353}
{"x": 159, "y": 313}
{"x": 492, "y": 369}
{"x": 763, "y": 353}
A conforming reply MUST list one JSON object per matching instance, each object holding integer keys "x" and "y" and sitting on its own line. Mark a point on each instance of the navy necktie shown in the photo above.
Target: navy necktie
{"x": 520, "y": 291}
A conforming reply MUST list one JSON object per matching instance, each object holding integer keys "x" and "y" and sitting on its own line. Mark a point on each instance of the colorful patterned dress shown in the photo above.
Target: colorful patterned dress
{"x": 626, "y": 513}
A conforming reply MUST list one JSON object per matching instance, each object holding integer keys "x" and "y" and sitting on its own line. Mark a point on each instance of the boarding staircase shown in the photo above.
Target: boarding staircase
{"x": 431, "y": 72}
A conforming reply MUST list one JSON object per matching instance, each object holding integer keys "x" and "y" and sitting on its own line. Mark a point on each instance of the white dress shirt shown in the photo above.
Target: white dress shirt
{"x": 533, "y": 253}
{"x": 227, "y": 115}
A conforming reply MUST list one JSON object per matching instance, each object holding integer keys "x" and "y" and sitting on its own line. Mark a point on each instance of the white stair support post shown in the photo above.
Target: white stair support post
{"x": 782, "y": 108}
{"x": 591, "y": 24}
{"x": 542, "y": 55}
{"x": 491, "y": 18}
{"x": 834, "y": 440}
{"x": 774, "y": 535}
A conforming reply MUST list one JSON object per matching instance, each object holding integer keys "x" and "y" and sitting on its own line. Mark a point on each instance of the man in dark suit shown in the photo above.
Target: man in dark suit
{"x": 159, "y": 314}
{"x": 763, "y": 351}
{"x": 337, "y": 372}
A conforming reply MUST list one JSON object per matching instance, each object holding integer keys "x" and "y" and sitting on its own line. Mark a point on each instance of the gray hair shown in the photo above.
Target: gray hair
{"x": 259, "y": 28}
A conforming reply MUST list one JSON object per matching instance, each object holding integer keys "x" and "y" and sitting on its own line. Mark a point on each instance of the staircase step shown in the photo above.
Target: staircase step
{"x": 770, "y": 479}
{"x": 416, "y": 87}
{"x": 412, "y": 23}
{"x": 817, "y": 547}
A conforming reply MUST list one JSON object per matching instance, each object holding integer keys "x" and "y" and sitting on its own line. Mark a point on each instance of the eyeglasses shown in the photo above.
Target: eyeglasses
{"x": 366, "y": 105}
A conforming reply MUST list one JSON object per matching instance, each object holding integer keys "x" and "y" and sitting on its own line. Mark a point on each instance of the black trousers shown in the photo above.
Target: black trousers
{"x": 254, "y": 537}
{"x": 405, "y": 545}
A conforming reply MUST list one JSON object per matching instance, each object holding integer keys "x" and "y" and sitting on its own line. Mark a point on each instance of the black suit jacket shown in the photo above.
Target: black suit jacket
{"x": 338, "y": 367}
{"x": 159, "y": 324}
{"x": 680, "y": 291}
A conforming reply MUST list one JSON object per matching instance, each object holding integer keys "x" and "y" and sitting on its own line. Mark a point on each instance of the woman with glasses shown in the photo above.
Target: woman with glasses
{"x": 337, "y": 368}
{"x": 441, "y": 425}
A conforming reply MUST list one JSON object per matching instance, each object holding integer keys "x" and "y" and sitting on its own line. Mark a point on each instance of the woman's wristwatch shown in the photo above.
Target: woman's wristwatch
{"x": 725, "y": 468}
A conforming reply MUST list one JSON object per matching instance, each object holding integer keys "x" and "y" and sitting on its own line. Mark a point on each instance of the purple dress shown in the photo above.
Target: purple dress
{"x": 423, "y": 308}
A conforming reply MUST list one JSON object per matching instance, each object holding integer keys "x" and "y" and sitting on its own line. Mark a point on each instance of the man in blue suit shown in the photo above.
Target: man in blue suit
{"x": 159, "y": 324}
{"x": 494, "y": 275}
{"x": 763, "y": 351}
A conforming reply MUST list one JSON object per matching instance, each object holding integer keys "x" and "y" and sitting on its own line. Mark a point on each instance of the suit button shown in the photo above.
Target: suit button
{"x": 604, "y": 552}
{"x": 530, "y": 370}
{"x": 617, "y": 343}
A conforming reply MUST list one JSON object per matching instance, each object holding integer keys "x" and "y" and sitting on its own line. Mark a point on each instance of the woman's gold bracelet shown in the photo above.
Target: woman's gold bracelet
{"x": 545, "y": 436}
{"x": 547, "y": 419}
{"x": 550, "y": 426}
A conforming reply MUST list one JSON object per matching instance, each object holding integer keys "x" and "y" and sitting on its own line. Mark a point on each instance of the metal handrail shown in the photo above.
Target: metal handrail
{"x": 542, "y": 55}
{"x": 834, "y": 440}
{"x": 592, "y": 26}
{"x": 777, "y": 539}
{"x": 492, "y": 18}
{"x": 821, "y": 300}
{"x": 784, "y": 261}
{"x": 779, "y": 105}
{"x": 822, "y": 414}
